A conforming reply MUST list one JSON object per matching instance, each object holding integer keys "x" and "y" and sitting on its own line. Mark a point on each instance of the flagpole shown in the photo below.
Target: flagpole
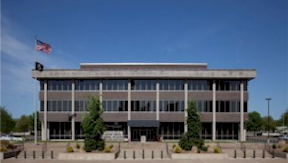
{"x": 35, "y": 96}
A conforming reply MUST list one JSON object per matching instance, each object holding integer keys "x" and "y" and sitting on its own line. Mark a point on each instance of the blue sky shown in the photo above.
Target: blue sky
{"x": 224, "y": 34}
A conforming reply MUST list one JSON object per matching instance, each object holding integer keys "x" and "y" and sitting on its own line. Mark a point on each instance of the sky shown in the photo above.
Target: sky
{"x": 225, "y": 34}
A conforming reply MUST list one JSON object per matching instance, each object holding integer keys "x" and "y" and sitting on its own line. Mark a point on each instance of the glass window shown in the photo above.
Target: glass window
{"x": 115, "y": 84}
{"x": 59, "y": 106}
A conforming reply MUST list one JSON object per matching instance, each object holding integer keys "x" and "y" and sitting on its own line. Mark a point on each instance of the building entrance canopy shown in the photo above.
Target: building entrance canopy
{"x": 143, "y": 123}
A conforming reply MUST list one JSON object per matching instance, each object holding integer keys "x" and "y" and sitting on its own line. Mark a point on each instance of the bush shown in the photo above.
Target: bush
{"x": 187, "y": 144}
{"x": 4, "y": 142}
{"x": 286, "y": 150}
{"x": 178, "y": 149}
{"x": 3, "y": 149}
{"x": 100, "y": 145}
{"x": 204, "y": 148}
{"x": 89, "y": 144}
{"x": 217, "y": 150}
{"x": 274, "y": 146}
{"x": 174, "y": 146}
{"x": 69, "y": 149}
{"x": 107, "y": 149}
{"x": 111, "y": 146}
{"x": 78, "y": 146}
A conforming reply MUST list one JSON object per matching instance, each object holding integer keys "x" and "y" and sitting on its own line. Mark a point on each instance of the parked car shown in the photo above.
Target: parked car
{"x": 283, "y": 137}
{"x": 7, "y": 137}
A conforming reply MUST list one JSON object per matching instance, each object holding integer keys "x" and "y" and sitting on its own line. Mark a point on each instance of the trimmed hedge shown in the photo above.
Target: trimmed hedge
{"x": 178, "y": 149}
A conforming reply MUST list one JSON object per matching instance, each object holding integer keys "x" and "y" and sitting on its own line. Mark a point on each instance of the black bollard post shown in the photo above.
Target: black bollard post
{"x": 143, "y": 154}
{"x": 51, "y": 154}
{"x": 24, "y": 154}
{"x": 152, "y": 155}
{"x": 133, "y": 154}
{"x": 33, "y": 154}
{"x": 263, "y": 154}
{"x": 124, "y": 154}
{"x": 42, "y": 154}
{"x": 244, "y": 153}
{"x": 254, "y": 154}
{"x": 235, "y": 154}
{"x": 161, "y": 154}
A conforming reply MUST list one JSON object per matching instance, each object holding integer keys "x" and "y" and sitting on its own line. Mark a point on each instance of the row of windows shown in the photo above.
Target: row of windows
{"x": 150, "y": 105}
{"x": 221, "y": 85}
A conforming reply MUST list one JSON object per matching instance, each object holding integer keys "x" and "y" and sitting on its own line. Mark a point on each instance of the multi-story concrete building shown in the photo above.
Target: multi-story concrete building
{"x": 145, "y": 99}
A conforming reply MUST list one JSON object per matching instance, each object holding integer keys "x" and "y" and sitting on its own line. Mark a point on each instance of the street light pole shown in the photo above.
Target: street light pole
{"x": 268, "y": 141}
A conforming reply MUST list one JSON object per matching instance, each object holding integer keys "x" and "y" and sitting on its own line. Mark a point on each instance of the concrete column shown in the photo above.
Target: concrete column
{"x": 157, "y": 101}
{"x": 214, "y": 112}
{"x": 242, "y": 112}
{"x": 129, "y": 108}
{"x": 44, "y": 136}
{"x": 101, "y": 91}
{"x": 185, "y": 106}
{"x": 42, "y": 131}
{"x": 73, "y": 110}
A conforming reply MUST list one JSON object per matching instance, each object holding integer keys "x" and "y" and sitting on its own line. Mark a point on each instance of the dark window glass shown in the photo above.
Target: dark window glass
{"x": 59, "y": 106}
{"x": 42, "y": 106}
{"x": 115, "y": 84}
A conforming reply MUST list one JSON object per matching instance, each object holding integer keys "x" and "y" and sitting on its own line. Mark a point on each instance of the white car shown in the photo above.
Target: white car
{"x": 7, "y": 137}
{"x": 126, "y": 139}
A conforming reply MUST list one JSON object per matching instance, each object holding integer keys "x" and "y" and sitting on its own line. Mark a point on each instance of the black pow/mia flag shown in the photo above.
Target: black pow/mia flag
{"x": 38, "y": 66}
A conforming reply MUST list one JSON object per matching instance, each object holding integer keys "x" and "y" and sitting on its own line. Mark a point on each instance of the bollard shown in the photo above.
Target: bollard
{"x": 263, "y": 154}
{"x": 254, "y": 154}
{"x": 24, "y": 154}
{"x": 244, "y": 154}
{"x": 143, "y": 154}
{"x": 152, "y": 154}
{"x": 273, "y": 154}
{"x": 133, "y": 154}
{"x": 161, "y": 154}
{"x": 51, "y": 154}
{"x": 235, "y": 154}
{"x": 124, "y": 154}
{"x": 42, "y": 154}
{"x": 33, "y": 154}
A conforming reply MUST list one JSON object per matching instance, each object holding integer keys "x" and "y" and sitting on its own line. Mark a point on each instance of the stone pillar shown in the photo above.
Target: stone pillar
{"x": 185, "y": 105}
{"x": 101, "y": 91}
{"x": 242, "y": 112}
{"x": 129, "y": 108}
{"x": 44, "y": 136}
{"x": 214, "y": 112}
{"x": 157, "y": 101}
{"x": 73, "y": 111}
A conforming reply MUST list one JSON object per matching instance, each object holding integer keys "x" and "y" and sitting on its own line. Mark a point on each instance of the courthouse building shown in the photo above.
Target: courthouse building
{"x": 145, "y": 99}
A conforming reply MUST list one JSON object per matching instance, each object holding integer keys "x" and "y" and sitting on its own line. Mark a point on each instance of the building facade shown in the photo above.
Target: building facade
{"x": 145, "y": 99}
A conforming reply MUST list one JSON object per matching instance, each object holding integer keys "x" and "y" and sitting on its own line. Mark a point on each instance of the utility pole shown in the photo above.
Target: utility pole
{"x": 268, "y": 99}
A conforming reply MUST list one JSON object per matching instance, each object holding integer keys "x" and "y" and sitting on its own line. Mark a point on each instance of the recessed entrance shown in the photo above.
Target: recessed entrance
{"x": 149, "y": 132}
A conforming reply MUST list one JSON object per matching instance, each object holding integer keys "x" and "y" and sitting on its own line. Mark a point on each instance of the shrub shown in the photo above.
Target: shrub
{"x": 11, "y": 146}
{"x": 204, "y": 148}
{"x": 100, "y": 145}
{"x": 89, "y": 144}
{"x": 3, "y": 149}
{"x": 274, "y": 146}
{"x": 69, "y": 149}
{"x": 4, "y": 142}
{"x": 174, "y": 146}
{"x": 107, "y": 149}
{"x": 111, "y": 146}
{"x": 281, "y": 143}
{"x": 286, "y": 150}
{"x": 217, "y": 150}
{"x": 178, "y": 149}
{"x": 78, "y": 146}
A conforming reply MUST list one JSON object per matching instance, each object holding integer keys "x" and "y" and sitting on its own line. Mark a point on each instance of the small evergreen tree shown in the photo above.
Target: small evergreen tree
{"x": 192, "y": 137}
{"x": 93, "y": 126}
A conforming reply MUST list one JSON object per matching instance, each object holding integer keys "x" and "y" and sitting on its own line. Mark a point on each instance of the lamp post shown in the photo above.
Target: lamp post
{"x": 268, "y": 141}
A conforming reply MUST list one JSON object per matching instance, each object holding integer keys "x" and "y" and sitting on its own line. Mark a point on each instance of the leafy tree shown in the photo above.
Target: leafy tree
{"x": 7, "y": 122}
{"x": 22, "y": 125}
{"x": 280, "y": 121}
{"x": 255, "y": 122}
{"x": 93, "y": 126}
{"x": 272, "y": 124}
{"x": 192, "y": 137}
{"x": 31, "y": 122}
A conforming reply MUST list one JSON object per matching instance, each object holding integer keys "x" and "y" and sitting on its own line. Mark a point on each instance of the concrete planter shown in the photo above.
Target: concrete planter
{"x": 203, "y": 156}
{"x": 87, "y": 156}
{"x": 4, "y": 155}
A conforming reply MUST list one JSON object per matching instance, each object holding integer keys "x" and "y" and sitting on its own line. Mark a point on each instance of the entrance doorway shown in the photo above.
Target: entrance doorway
{"x": 150, "y": 133}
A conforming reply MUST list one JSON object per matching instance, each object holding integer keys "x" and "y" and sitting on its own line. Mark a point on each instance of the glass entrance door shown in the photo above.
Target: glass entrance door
{"x": 150, "y": 133}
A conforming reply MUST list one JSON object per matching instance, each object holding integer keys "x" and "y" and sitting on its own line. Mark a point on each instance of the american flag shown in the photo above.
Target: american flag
{"x": 44, "y": 47}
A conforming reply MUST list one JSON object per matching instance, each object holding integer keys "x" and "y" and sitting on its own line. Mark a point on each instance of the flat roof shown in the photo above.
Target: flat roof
{"x": 87, "y": 64}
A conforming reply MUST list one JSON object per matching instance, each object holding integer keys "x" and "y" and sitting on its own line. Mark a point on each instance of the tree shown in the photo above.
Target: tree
{"x": 255, "y": 122}
{"x": 7, "y": 122}
{"x": 272, "y": 124}
{"x": 280, "y": 121}
{"x": 192, "y": 137}
{"x": 22, "y": 125}
{"x": 31, "y": 122}
{"x": 93, "y": 125}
